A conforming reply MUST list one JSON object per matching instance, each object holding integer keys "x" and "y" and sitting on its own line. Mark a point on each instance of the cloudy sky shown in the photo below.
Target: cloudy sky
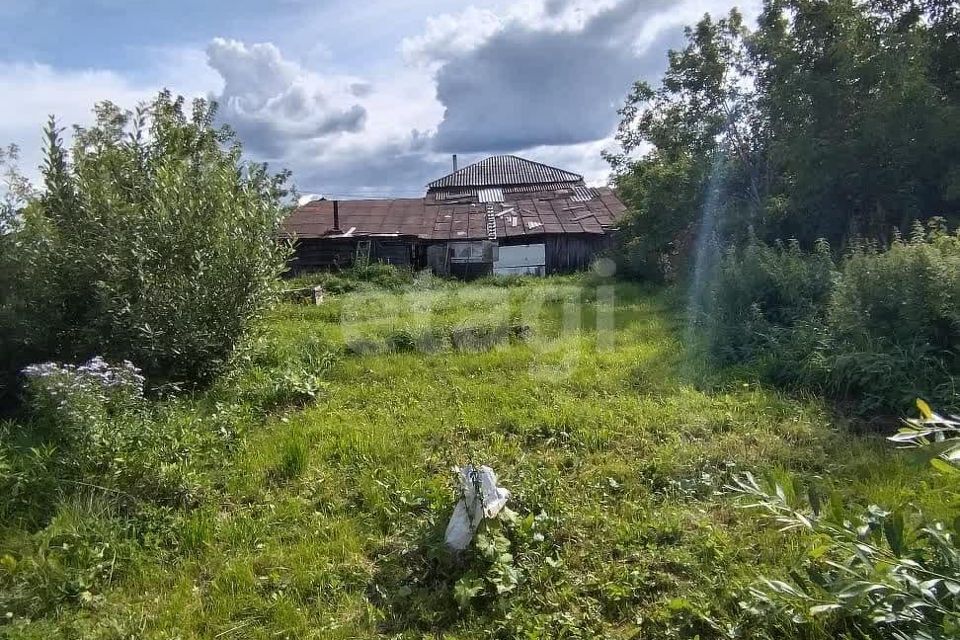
{"x": 356, "y": 97}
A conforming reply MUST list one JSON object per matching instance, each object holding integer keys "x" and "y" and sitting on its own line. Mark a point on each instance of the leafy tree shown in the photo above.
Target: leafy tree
{"x": 832, "y": 119}
{"x": 701, "y": 125}
{"x": 152, "y": 240}
{"x": 861, "y": 133}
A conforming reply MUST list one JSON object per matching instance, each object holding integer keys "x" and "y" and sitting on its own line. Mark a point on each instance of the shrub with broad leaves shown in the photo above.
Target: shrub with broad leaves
{"x": 894, "y": 322}
{"x": 880, "y": 573}
{"x": 936, "y": 436}
{"x": 874, "y": 331}
{"x": 765, "y": 303}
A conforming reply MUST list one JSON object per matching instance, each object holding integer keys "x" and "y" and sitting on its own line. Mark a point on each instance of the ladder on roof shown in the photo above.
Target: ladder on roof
{"x": 491, "y": 223}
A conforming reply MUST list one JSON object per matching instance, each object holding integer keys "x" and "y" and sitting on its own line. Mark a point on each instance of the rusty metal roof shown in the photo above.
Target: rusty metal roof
{"x": 501, "y": 171}
{"x": 426, "y": 219}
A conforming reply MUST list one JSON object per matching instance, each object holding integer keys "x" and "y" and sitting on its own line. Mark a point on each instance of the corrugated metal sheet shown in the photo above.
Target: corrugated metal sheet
{"x": 459, "y": 194}
{"x": 472, "y": 194}
{"x": 425, "y": 219}
{"x": 490, "y": 194}
{"x": 504, "y": 171}
{"x": 582, "y": 194}
{"x": 557, "y": 187}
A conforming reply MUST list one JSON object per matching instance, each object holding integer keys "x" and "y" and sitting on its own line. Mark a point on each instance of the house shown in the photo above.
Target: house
{"x": 504, "y": 215}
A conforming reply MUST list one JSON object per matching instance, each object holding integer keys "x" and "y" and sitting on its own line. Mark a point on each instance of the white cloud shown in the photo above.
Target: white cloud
{"x": 546, "y": 72}
{"x": 585, "y": 158}
{"x": 449, "y": 35}
{"x": 36, "y": 91}
{"x": 541, "y": 78}
{"x": 274, "y": 103}
{"x": 341, "y": 135}
{"x": 391, "y": 156}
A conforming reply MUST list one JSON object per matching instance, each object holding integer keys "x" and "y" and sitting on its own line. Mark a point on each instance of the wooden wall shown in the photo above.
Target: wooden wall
{"x": 396, "y": 252}
{"x": 565, "y": 253}
{"x": 315, "y": 254}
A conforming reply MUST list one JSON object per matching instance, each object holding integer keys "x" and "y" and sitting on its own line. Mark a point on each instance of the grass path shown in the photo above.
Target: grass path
{"x": 328, "y": 522}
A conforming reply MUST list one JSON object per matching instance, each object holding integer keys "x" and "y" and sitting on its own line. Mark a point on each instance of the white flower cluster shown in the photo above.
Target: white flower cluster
{"x": 97, "y": 375}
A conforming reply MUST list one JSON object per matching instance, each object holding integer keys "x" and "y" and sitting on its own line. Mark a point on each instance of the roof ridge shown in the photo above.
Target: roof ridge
{"x": 465, "y": 176}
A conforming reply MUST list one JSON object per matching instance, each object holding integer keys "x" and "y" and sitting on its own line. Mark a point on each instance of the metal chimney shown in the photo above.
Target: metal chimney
{"x": 336, "y": 215}
{"x": 454, "y": 162}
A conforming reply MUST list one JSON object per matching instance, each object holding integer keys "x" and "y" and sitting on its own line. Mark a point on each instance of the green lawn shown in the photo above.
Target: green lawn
{"x": 326, "y": 520}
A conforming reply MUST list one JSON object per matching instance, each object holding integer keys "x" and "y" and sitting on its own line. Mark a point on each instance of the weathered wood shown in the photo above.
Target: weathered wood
{"x": 565, "y": 252}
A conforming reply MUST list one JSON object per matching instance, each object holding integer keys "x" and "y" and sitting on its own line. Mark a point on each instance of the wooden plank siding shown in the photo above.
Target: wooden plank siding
{"x": 314, "y": 254}
{"x": 565, "y": 253}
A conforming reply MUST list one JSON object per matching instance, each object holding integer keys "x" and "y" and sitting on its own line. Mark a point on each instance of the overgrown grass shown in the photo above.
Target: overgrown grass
{"x": 323, "y": 513}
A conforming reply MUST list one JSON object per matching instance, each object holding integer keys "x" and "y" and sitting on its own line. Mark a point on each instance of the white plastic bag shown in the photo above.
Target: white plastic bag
{"x": 472, "y": 508}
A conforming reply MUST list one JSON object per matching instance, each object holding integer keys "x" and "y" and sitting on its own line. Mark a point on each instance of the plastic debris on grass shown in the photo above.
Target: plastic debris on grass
{"x": 480, "y": 498}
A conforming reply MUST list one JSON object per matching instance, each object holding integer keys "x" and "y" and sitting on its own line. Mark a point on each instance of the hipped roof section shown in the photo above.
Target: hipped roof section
{"x": 505, "y": 171}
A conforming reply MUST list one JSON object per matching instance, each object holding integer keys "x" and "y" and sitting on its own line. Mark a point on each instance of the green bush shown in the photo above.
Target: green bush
{"x": 877, "y": 332}
{"x": 402, "y": 341}
{"x": 91, "y": 427}
{"x": 894, "y": 322}
{"x": 381, "y": 274}
{"x": 152, "y": 241}
{"x": 884, "y": 573}
{"x": 766, "y": 302}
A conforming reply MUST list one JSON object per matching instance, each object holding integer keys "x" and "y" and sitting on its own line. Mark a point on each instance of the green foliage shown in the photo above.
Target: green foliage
{"x": 294, "y": 458}
{"x": 894, "y": 322}
{"x": 70, "y": 562}
{"x": 493, "y": 573}
{"x": 102, "y": 477}
{"x": 885, "y": 574}
{"x": 766, "y": 302}
{"x": 381, "y": 274}
{"x": 325, "y": 518}
{"x": 876, "y": 331}
{"x": 27, "y": 476}
{"x": 152, "y": 241}
{"x": 359, "y": 276}
{"x": 16, "y": 190}
{"x": 91, "y": 427}
{"x": 827, "y": 120}
{"x": 480, "y": 337}
{"x": 862, "y": 122}
{"x": 402, "y": 340}
{"x": 935, "y": 436}
{"x": 701, "y": 112}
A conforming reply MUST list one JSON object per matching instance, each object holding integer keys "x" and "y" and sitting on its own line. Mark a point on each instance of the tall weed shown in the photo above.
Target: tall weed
{"x": 767, "y": 303}
{"x": 894, "y": 322}
{"x": 875, "y": 332}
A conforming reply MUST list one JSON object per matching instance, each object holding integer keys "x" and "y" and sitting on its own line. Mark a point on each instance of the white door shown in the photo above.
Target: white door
{"x": 527, "y": 259}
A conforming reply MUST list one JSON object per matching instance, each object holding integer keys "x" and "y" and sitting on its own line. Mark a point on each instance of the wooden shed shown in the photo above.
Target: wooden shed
{"x": 503, "y": 215}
